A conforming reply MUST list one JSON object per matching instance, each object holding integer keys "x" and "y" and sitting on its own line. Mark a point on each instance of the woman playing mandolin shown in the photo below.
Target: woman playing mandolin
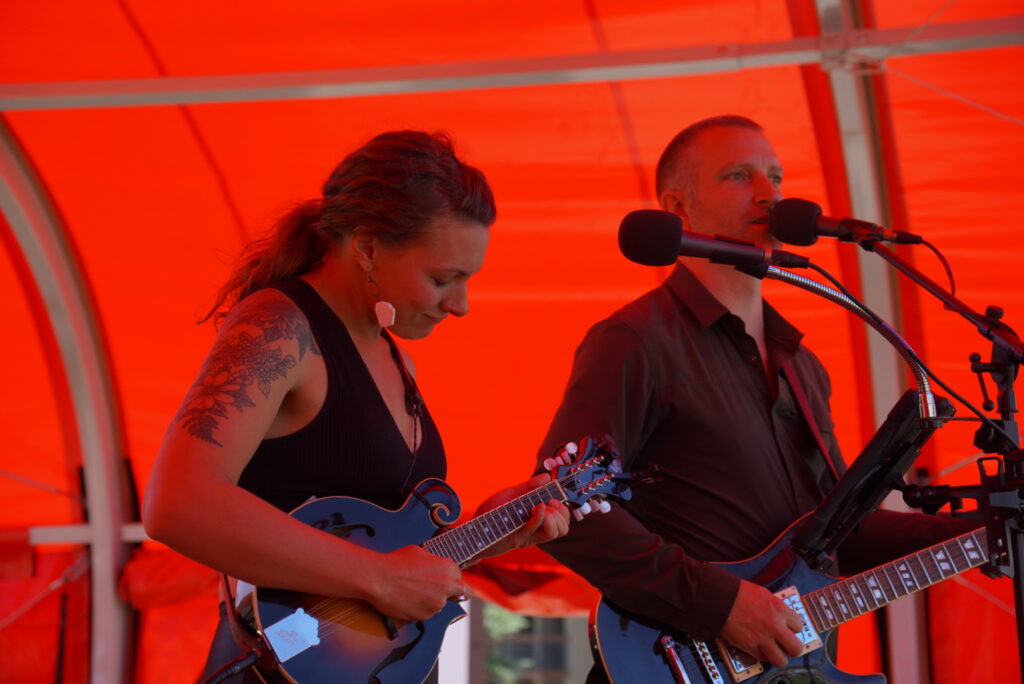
{"x": 305, "y": 393}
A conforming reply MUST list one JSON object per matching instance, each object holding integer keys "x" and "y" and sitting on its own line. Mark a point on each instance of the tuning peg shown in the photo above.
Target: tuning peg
{"x": 578, "y": 514}
{"x": 553, "y": 462}
{"x": 604, "y": 506}
{"x": 563, "y": 456}
{"x": 585, "y": 507}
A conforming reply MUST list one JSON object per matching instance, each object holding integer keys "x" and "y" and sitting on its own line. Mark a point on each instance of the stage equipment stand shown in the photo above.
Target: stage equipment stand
{"x": 1000, "y": 491}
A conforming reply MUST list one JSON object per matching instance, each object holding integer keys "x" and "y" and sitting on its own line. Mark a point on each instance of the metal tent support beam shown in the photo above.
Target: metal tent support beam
{"x": 54, "y": 268}
{"x": 875, "y": 44}
{"x": 858, "y": 120}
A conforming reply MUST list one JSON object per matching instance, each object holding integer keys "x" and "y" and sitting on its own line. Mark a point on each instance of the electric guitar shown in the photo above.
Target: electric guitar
{"x": 633, "y": 649}
{"x": 314, "y": 639}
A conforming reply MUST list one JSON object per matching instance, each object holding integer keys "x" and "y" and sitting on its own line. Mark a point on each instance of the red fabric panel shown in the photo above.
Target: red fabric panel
{"x": 40, "y": 483}
{"x": 157, "y": 576}
{"x": 972, "y": 630}
{"x": 890, "y": 14}
{"x": 530, "y": 582}
{"x": 29, "y": 642}
{"x": 174, "y": 639}
{"x": 961, "y": 184}
{"x": 17, "y": 559}
{"x": 144, "y": 38}
{"x": 860, "y": 651}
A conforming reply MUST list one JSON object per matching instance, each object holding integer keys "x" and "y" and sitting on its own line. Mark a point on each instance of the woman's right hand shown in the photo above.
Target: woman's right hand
{"x": 412, "y": 584}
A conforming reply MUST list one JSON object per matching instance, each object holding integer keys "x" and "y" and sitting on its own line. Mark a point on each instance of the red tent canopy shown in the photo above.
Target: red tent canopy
{"x": 141, "y": 143}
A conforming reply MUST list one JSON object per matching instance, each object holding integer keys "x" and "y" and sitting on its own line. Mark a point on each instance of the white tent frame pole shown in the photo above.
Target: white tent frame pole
{"x": 855, "y": 107}
{"x": 42, "y": 241}
{"x": 874, "y": 44}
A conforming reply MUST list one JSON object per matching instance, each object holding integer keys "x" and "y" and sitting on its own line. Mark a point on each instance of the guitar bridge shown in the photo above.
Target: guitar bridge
{"x": 707, "y": 663}
{"x": 671, "y": 650}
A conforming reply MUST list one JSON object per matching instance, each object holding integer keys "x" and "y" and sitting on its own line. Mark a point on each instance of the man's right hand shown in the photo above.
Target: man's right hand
{"x": 763, "y": 626}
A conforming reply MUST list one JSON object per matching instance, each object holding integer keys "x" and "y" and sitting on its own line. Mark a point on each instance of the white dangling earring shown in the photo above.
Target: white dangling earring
{"x": 385, "y": 313}
{"x": 384, "y": 310}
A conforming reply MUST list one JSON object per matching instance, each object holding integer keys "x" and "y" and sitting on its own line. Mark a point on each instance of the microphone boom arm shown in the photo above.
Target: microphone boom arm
{"x": 995, "y": 436}
{"x": 989, "y": 328}
{"x": 883, "y": 462}
{"x": 927, "y": 408}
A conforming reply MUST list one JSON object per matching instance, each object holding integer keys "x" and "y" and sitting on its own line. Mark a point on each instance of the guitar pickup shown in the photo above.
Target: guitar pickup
{"x": 808, "y": 636}
{"x": 740, "y": 664}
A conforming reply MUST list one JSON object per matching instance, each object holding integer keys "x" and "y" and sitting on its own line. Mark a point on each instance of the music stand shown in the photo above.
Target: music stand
{"x": 877, "y": 470}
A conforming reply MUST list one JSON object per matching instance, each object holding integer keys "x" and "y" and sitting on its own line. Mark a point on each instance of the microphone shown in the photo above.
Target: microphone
{"x": 799, "y": 222}
{"x": 656, "y": 238}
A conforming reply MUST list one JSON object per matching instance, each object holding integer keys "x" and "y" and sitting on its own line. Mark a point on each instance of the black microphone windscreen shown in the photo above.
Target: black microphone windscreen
{"x": 651, "y": 237}
{"x": 794, "y": 221}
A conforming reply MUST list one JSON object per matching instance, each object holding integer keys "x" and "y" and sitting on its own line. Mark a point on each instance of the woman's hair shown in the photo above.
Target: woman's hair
{"x": 391, "y": 187}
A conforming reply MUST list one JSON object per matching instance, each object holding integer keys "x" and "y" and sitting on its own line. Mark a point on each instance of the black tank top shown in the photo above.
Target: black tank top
{"x": 353, "y": 446}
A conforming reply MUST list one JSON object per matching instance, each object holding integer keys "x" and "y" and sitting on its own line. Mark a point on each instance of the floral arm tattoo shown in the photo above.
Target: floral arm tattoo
{"x": 241, "y": 360}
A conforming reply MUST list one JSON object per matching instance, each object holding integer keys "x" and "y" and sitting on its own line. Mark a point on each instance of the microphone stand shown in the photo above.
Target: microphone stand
{"x": 924, "y": 390}
{"x": 889, "y": 454}
{"x": 999, "y": 491}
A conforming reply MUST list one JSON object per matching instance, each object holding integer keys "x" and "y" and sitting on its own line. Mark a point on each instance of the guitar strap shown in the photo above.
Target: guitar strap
{"x": 797, "y": 388}
{"x": 245, "y": 638}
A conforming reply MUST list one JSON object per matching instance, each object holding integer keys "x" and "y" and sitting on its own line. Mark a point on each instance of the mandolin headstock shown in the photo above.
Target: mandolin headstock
{"x": 590, "y": 473}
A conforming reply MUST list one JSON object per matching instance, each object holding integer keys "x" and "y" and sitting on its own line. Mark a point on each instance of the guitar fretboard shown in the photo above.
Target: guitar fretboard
{"x": 465, "y": 541}
{"x": 852, "y": 597}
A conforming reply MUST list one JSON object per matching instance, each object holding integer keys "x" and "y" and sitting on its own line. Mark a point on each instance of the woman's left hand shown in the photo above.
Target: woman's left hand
{"x": 547, "y": 521}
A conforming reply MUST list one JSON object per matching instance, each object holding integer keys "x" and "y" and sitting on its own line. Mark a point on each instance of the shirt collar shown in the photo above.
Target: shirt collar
{"x": 694, "y": 296}
{"x": 779, "y": 331}
{"x": 707, "y": 309}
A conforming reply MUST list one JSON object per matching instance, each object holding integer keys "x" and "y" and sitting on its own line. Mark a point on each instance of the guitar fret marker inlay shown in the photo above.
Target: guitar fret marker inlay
{"x": 858, "y": 600}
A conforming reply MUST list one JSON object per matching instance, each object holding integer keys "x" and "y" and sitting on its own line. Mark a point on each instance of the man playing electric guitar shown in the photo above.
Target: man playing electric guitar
{"x": 699, "y": 378}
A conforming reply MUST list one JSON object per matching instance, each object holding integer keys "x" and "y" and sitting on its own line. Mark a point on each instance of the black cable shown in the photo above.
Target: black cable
{"x": 61, "y": 634}
{"x": 233, "y": 667}
{"x": 945, "y": 265}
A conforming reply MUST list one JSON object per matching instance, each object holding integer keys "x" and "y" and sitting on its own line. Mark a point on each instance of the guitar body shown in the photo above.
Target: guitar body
{"x": 354, "y": 642}
{"x": 313, "y": 639}
{"x": 632, "y": 649}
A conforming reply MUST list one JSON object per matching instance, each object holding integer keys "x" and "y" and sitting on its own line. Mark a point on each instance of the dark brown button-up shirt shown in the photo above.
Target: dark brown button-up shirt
{"x": 676, "y": 381}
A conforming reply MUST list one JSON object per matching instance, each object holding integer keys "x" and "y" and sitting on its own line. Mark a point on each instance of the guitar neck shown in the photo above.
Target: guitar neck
{"x": 852, "y": 597}
{"x": 467, "y": 540}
